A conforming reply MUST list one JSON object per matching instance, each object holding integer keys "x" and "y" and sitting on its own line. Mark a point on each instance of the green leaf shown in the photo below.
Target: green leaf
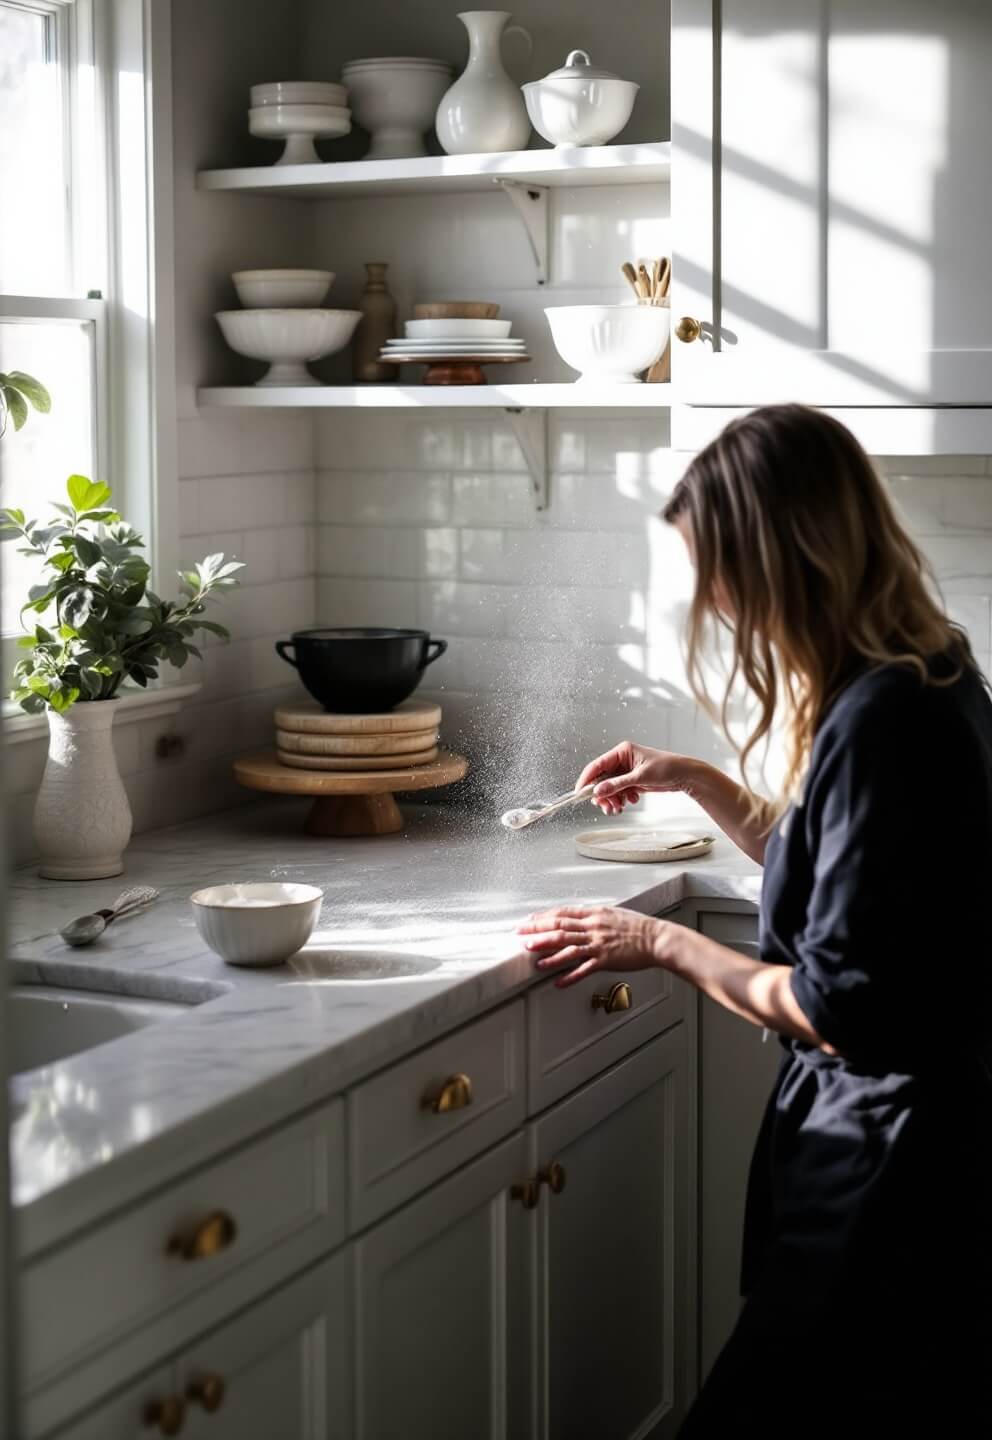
{"x": 86, "y": 494}
{"x": 16, "y": 405}
{"x": 26, "y": 642}
{"x": 88, "y": 551}
{"x": 16, "y": 517}
{"x": 39, "y": 685}
{"x": 61, "y": 700}
{"x": 32, "y": 390}
{"x": 67, "y": 633}
{"x": 77, "y": 605}
{"x": 213, "y": 628}
{"x": 105, "y": 517}
{"x": 63, "y": 562}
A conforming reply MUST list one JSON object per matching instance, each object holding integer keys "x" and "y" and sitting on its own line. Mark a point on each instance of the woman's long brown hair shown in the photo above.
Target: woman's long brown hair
{"x": 794, "y": 537}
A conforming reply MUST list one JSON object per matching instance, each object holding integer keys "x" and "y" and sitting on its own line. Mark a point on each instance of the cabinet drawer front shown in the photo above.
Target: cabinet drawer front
{"x": 729, "y": 927}
{"x": 573, "y": 1034}
{"x": 400, "y": 1143}
{"x": 256, "y": 1213}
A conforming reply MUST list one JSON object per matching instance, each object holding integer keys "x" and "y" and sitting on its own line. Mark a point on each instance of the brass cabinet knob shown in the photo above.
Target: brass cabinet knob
{"x": 167, "y": 1414}
{"x": 212, "y": 1235}
{"x": 528, "y": 1192}
{"x": 688, "y": 330}
{"x": 618, "y": 998}
{"x": 454, "y": 1094}
{"x": 553, "y": 1176}
{"x": 206, "y": 1390}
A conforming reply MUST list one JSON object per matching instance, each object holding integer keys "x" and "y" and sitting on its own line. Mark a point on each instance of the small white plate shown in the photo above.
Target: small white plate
{"x": 479, "y": 345}
{"x": 458, "y": 329}
{"x": 633, "y": 845}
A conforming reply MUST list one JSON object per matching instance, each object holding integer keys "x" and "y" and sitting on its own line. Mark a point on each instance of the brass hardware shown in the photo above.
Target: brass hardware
{"x": 208, "y": 1238}
{"x": 454, "y": 1094}
{"x": 688, "y": 330}
{"x": 619, "y": 998}
{"x": 528, "y": 1192}
{"x": 553, "y": 1176}
{"x": 206, "y": 1390}
{"x": 167, "y": 1414}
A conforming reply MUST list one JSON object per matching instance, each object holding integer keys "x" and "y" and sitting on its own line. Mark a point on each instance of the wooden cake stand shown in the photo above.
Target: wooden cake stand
{"x": 455, "y": 370}
{"x": 354, "y": 802}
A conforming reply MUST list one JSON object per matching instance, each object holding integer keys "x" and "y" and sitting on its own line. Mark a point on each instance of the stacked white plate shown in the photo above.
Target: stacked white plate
{"x": 428, "y": 340}
{"x": 299, "y": 111}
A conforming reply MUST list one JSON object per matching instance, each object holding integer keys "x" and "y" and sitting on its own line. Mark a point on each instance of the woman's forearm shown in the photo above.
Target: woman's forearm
{"x": 752, "y": 989}
{"x": 730, "y": 806}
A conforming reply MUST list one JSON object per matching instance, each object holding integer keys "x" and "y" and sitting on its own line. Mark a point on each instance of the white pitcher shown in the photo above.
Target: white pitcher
{"x": 82, "y": 819}
{"x": 484, "y": 111}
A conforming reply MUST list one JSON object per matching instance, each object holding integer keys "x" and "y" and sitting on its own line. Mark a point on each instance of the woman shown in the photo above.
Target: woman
{"x": 867, "y": 1258}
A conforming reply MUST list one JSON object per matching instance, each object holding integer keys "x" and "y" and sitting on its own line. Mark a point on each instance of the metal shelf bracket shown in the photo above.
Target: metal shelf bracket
{"x": 531, "y": 429}
{"x": 532, "y": 205}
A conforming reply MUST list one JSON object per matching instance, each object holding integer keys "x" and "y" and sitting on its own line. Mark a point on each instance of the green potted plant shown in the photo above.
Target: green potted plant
{"x": 17, "y": 392}
{"x": 94, "y": 625}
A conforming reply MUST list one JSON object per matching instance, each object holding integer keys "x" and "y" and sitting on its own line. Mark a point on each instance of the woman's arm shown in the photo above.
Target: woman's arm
{"x": 629, "y": 771}
{"x": 580, "y": 941}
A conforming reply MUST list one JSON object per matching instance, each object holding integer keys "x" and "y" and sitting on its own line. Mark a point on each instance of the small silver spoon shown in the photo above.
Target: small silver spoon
{"x": 87, "y": 928}
{"x": 538, "y": 809}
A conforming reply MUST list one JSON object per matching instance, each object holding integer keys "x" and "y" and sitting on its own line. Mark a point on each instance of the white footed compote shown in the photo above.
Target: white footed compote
{"x": 287, "y": 339}
{"x": 82, "y": 818}
{"x": 299, "y": 126}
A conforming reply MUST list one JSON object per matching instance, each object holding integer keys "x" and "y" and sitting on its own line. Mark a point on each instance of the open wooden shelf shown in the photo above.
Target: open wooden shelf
{"x": 436, "y": 397}
{"x": 645, "y": 164}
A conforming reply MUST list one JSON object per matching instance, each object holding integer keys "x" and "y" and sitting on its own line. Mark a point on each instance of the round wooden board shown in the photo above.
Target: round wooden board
{"x": 311, "y": 719}
{"x": 265, "y": 771}
{"x": 633, "y": 845}
{"x": 387, "y": 745}
{"x": 355, "y": 762}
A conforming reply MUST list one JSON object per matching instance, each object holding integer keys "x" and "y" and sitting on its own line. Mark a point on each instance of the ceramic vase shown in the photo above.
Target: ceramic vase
{"x": 82, "y": 819}
{"x": 377, "y": 325}
{"x": 484, "y": 111}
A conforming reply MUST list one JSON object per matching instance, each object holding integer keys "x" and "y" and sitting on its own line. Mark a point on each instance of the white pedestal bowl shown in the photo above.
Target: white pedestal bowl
{"x": 287, "y": 339}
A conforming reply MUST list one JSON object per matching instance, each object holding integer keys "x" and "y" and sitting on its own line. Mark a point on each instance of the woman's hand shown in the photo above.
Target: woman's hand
{"x": 604, "y": 938}
{"x": 629, "y": 771}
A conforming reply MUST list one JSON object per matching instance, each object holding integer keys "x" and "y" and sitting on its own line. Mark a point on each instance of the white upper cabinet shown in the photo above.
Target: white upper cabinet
{"x": 831, "y": 201}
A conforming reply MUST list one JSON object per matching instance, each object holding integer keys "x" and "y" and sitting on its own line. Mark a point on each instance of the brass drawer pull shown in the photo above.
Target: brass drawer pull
{"x": 688, "y": 329}
{"x": 167, "y": 1414}
{"x": 528, "y": 1192}
{"x": 212, "y": 1235}
{"x": 206, "y": 1390}
{"x": 553, "y": 1176}
{"x": 454, "y": 1094}
{"x": 619, "y": 998}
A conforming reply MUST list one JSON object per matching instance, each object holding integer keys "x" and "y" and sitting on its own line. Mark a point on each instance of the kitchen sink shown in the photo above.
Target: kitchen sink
{"x": 47, "y": 1023}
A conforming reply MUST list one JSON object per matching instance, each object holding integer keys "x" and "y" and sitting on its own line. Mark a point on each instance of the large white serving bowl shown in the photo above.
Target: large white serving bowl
{"x": 277, "y": 289}
{"x": 299, "y": 92}
{"x": 287, "y": 339}
{"x": 256, "y": 924}
{"x": 299, "y": 126}
{"x": 458, "y": 329}
{"x": 395, "y": 102}
{"x": 609, "y": 344}
{"x": 569, "y": 113}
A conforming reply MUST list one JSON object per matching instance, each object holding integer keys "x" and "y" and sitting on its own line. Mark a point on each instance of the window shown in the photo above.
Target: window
{"x": 54, "y": 260}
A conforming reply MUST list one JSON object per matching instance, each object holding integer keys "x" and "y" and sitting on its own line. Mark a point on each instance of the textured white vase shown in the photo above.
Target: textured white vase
{"x": 82, "y": 819}
{"x": 484, "y": 111}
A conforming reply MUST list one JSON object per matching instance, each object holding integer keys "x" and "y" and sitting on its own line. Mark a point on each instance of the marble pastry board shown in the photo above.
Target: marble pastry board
{"x": 639, "y": 846}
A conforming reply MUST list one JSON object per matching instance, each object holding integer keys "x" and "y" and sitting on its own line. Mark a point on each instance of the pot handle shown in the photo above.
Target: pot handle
{"x": 439, "y": 647}
{"x": 281, "y": 647}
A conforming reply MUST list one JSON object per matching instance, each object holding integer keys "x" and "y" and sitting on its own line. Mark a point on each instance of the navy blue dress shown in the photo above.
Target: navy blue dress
{"x": 867, "y": 1256}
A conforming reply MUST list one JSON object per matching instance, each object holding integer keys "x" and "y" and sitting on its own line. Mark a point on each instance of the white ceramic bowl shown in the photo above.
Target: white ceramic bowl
{"x": 256, "y": 924}
{"x": 299, "y": 92}
{"x": 409, "y": 62}
{"x": 299, "y": 126}
{"x": 395, "y": 102}
{"x": 609, "y": 344}
{"x": 571, "y": 112}
{"x": 458, "y": 329}
{"x": 275, "y": 289}
{"x": 287, "y": 338}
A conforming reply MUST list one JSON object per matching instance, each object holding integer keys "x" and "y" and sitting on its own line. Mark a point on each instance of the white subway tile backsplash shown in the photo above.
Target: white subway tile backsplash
{"x": 365, "y": 602}
{"x": 392, "y": 498}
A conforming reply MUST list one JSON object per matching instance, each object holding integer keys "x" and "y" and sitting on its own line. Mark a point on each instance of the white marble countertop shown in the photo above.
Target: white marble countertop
{"x": 416, "y": 935}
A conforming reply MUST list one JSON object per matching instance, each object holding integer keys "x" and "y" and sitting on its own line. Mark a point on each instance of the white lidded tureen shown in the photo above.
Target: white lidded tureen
{"x": 579, "y": 104}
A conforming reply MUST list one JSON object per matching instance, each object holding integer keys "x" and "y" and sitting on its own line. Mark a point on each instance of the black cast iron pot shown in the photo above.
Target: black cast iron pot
{"x": 354, "y": 671}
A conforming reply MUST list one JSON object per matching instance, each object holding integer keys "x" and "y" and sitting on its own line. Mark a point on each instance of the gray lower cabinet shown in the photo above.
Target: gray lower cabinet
{"x": 615, "y": 1254}
{"x": 441, "y": 1311}
{"x": 281, "y": 1368}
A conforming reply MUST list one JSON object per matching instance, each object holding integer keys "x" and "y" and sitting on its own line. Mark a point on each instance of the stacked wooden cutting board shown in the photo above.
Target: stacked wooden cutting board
{"x": 352, "y": 764}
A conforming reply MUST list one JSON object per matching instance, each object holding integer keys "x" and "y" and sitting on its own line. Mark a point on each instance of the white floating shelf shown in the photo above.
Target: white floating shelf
{"x": 645, "y": 164}
{"x": 437, "y": 397}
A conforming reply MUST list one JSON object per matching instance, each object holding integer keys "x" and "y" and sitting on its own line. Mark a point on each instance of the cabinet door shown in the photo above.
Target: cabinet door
{"x": 441, "y": 1311}
{"x": 282, "y": 1368}
{"x": 615, "y": 1299}
{"x": 831, "y": 204}
{"x": 130, "y": 1415}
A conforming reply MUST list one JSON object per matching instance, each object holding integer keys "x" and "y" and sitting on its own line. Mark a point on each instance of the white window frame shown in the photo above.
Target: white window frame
{"x": 127, "y": 44}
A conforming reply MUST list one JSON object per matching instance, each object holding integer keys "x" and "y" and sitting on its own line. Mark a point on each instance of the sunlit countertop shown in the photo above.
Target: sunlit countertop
{"x": 416, "y": 936}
